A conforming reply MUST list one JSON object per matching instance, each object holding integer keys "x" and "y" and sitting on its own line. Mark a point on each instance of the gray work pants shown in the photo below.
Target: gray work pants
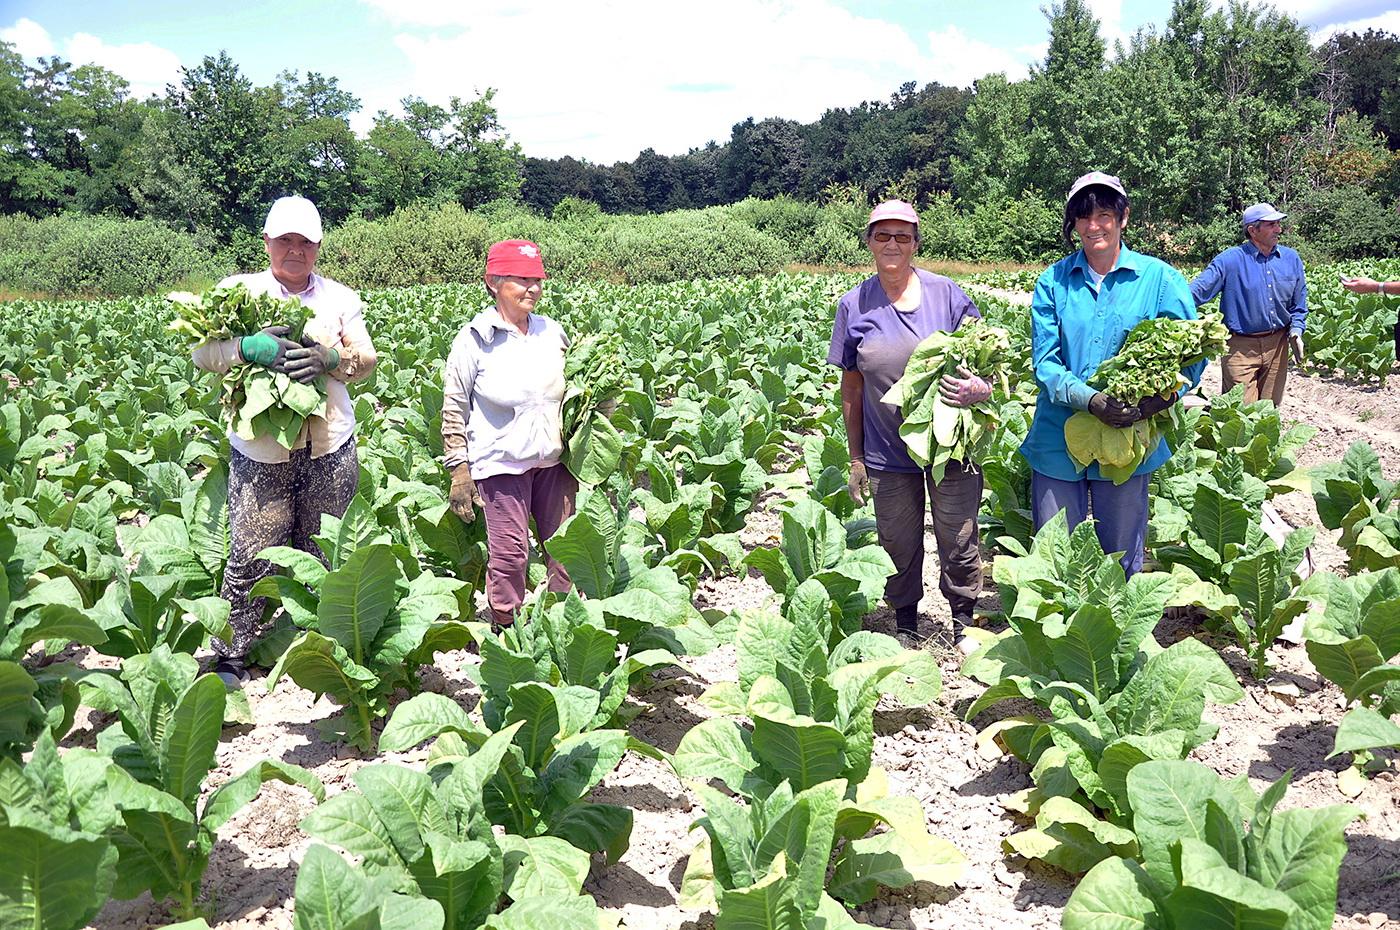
{"x": 899, "y": 519}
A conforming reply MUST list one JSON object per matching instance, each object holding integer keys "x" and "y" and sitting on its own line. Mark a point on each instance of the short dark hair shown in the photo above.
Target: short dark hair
{"x": 1089, "y": 201}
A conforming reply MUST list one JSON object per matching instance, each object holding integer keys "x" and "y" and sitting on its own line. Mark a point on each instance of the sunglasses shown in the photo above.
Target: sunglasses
{"x": 901, "y": 238}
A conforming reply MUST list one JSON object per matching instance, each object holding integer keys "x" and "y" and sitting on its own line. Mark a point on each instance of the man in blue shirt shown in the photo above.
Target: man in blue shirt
{"x": 1264, "y": 300}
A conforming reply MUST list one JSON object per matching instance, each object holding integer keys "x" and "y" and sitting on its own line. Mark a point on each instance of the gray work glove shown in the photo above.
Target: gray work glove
{"x": 464, "y": 498}
{"x": 309, "y": 361}
{"x": 1112, "y": 411}
{"x": 859, "y": 484}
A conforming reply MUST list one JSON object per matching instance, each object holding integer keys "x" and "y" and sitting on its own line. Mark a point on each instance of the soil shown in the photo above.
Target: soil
{"x": 929, "y": 753}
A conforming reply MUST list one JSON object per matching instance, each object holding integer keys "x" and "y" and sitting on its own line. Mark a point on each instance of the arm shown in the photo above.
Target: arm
{"x": 1365, "y": 285}
{"x": 357, "y": 355}
{"x": 852, "y": 414}
{"x": 218, "y": 355}
{"x": 1207, "y": 285}
{"x": 1298, "y": 308}
{"x": 458, "y": 379}
{"x": 1060, "y": 384}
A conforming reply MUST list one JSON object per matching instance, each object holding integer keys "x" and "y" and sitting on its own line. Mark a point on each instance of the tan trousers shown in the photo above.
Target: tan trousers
{"x": 1260, "y": 363}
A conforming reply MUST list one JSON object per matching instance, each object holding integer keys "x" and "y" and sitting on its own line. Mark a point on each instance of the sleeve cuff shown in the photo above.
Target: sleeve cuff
{"x": 1080, "y": 395}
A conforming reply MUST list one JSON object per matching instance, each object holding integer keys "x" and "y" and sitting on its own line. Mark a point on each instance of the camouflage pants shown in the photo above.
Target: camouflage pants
{"x": 277, "y": 504}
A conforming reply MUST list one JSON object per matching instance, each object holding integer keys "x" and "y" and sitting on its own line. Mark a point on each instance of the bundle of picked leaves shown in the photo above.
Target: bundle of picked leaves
{"x": 259, "y": 401}
{"x": 935, "y": 431}
{"x": 595, "y": 372}
{"x": 1149, "y": 364}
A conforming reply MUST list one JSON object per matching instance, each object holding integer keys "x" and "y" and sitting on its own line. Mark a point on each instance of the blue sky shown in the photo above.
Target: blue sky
{"x": 600, "y": 80}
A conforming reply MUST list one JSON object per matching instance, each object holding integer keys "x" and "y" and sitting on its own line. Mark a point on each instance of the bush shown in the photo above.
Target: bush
{"x": 1019, "y": 229}
{"x": 420, "y": 244}
{"x": 74, "y": 255}
{"x": 688, "y": 244}
{"x": 1347, "y": 222}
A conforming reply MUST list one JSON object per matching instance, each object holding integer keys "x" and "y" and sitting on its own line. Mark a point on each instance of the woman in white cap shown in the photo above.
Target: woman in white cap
{"x": 275, "y": 496}
{"x": 878, "y": 324}
{"x": 1082, "y": 311}
{"x": 501, "y": 431}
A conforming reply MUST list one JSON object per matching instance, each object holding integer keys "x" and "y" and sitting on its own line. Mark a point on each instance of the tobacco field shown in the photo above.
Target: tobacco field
{"x": 716, "y": 728}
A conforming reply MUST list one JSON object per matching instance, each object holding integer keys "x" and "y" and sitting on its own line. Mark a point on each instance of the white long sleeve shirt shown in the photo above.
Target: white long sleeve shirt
{"x": 502, "y": 393}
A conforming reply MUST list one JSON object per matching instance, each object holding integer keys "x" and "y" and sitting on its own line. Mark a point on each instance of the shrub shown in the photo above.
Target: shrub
{"x": 420, "y": 244}
{"x": 72, "y": 254}
{"x": 688, "y": 244}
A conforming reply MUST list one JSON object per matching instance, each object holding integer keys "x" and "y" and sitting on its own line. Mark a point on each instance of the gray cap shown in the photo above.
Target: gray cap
{"x": 1261, "y": 213}
{"x": 1095, "y": 177}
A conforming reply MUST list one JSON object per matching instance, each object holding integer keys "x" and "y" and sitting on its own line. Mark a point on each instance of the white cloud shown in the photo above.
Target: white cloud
{"x": 959, "y": 60}
{"x": 604, "y": 80}
{"x": 147, "y": 66}
{"x": 1388, "y": 21}
{"x": 29, "y": 38}
{"x": 1109, "y": 13}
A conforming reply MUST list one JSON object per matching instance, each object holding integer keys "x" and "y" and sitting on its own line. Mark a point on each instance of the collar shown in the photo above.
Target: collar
{"x": 1127, "y": 258}
{"x": 313, "y": 285}
{"x": 1252, "y": 251}
{"x": 490, "y": 320}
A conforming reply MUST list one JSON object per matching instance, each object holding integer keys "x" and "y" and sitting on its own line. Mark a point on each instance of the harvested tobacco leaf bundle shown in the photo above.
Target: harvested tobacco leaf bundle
{"x": 595, "y": 370}
{"x": 935, "y": 431}
{"x": 1149, "y": 364}
{"x": 258, "y": 401}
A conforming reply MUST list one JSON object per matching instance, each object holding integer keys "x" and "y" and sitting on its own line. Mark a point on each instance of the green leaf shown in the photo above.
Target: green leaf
{"x": 804, "y": 752}
{"x": 191, "y": 737}
{"x": 421, "y": 718}
{"x": 53, "y": 879}
{"x": 542, "y": 867}
{"x": 1117, "y": 894}
{"x": 1300, "y": 856}
{"x": 356, "y": 599}
{"x": 332, "y": 895}
{"x": 715, "y": 748}
{"x": 232, "y": 795}
{"x": 1363, "y": 729}
{"x": 1213, "y": 896}
{"x": 586, "y": 545}
{"x": 1169, "y": 801}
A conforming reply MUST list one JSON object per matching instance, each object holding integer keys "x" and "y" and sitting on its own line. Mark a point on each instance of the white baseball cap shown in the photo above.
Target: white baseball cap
{"x": 1095, "y": 177}
{"x": 293, "y": 215}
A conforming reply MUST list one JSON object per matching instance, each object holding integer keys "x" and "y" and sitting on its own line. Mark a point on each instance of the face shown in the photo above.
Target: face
{"x": 1100, "y": 233}
{"x": 293, "y": 256}
{"x": 893, "y": 254}
{"x": 514, "y": 293}
{"x": 1264, "y": 234}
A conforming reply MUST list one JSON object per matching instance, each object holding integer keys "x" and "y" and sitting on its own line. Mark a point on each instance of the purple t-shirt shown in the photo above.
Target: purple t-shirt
{"x": 875, "y": 338}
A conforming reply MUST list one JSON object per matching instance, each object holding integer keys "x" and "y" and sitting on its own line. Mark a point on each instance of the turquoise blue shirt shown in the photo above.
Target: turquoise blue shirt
{"x": 1074, "y": 328}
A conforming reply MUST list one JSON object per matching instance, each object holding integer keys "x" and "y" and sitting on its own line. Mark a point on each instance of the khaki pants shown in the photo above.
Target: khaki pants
{"x": 899, "y": 521}
{"x": 1260, "y": 363}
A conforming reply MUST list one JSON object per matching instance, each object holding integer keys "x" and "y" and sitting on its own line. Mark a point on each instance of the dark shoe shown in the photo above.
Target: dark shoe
{"x": 906, "y": 619}
{"x": 231, "y": 672}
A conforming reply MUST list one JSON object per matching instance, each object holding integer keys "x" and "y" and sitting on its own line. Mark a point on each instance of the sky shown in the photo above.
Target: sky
{"x": 597, "y": 80}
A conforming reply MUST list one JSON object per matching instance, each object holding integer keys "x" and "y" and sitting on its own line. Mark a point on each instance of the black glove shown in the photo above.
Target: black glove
{"x": 1112, "y": 411}
{"x": 309, "y": 361}
{"x": 1154, "y": 404}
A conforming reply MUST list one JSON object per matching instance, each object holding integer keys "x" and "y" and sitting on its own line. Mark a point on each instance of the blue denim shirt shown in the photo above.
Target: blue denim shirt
{"x": 1073, "y": 329}
{"x": 1258, "y": 293}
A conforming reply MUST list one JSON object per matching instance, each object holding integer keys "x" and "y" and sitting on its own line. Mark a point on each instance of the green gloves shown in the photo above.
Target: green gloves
{"x": 266, "y": 348}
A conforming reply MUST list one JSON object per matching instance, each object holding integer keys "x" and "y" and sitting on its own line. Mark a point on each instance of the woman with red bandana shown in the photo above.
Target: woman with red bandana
{"x": 502, "y": 393}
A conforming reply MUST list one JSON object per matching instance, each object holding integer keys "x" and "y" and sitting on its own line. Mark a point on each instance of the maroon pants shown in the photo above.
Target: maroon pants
{"x": 547, "y": 494}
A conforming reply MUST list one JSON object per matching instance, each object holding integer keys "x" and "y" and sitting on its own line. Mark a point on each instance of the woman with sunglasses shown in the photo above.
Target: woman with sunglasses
{"x": 878, "y": 324}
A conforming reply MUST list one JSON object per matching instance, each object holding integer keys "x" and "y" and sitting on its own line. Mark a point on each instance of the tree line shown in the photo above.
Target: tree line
{"x": 1212, "y": 111}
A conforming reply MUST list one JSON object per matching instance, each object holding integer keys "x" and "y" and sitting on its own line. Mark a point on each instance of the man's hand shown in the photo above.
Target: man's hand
{"x": 267, "y": 348}
{"x": 463, "y": 498}
{"x": 1296, "y": 342}
{"x": 1154, "y": 404}
{"x": 309, "y": 361}
{"x": 859, "y": 484}
{"x": 965, "y": 390}
{"x": 1112, "y": 411}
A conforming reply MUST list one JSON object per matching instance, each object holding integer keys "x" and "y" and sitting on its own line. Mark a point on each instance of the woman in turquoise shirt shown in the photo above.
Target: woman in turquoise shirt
{"x": 1084, "y": 306}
